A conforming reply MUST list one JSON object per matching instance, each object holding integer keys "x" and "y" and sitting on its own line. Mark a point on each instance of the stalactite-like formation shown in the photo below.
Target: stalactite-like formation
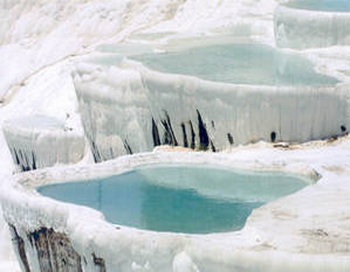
{"x": 203, "y": 134}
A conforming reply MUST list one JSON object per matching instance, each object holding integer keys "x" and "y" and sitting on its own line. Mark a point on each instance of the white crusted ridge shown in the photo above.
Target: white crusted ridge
{"x": 300, "y": 29}
{"x": 41, "y": 141}
{"x": 154, "y": 108}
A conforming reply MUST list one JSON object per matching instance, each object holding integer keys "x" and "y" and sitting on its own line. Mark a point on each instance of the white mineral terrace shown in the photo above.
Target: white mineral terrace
{"x": 205, "y": 97}
{"x": 283, "y": 235}
{"x": 41, "y": 141}
{"x": 306, "y": 28}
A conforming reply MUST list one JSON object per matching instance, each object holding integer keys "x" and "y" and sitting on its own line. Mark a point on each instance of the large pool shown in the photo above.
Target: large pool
{"x": 253, "y": 64}
{"x": 321, "y": 5}
{"x": 178, "y": 198}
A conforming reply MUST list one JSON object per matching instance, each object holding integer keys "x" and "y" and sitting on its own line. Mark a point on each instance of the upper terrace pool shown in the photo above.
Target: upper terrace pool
{"x": 178, "y": 198}
{"x": 253, "y": 64}
{"x": 321, "y": 5}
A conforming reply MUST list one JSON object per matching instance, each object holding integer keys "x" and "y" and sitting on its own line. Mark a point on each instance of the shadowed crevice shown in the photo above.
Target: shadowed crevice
{"x": 230, "y": 138}
{"x": 33, "y": 161}
{"x": 155, "y": 134}
{"x": 99, "y": 262}
{"x": 212, "y": 146}
{"x": 273, "y": 136}
{"x": 127, "y": 147}
{"x": 203, "y": 134}
{"x": 171, "y": 128}
{"x": 193, "y": 135}
{"x": 184, "y": 135}
{"x": 16, "y": 157}
{"x": 169, "y": 135}
{"x": 95, "y": 152}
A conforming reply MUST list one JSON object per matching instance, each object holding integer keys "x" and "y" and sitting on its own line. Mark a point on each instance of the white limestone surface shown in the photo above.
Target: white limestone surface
{"x": 283, "y": 235}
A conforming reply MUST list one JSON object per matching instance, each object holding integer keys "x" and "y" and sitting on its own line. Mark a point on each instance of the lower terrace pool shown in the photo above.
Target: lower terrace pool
{"x": 321, "y": 5}
{"x": 178, "y": 198}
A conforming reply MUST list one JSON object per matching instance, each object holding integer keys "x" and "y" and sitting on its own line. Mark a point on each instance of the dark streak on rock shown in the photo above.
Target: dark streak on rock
{"x": 169, "y": 135}
{"x": 230, "y": 138}
{"x": 203, "y": 134}
{"x": 171, "y": 129}
{"x": 23, "y": 161}
{"x": 16, "y": 157}
{"x": 212, "y": 146}
{"x": 27, "y": 165}
{"x": 155, "y": 134}
{"x": 193, "y": 136}
{"x": 167, "y": 140}
{"x": 184, "y": 135}
{"x": 42, "y": 245}
{"x": 273, "y": 136}
{"x": 213, "y": 124}
{"x": 33, "y": 161}
{"x": 20, "y": 247}
{"x": 127, "y": 147}
{"x": 95, "y": 152}
{"x": 99, "y": 262}
{"x": 54, "y": 251}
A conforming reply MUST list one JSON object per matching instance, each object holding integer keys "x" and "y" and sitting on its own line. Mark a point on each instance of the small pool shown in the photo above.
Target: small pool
{"x": 253, "y": 64}
{"x": 321, "y": 5}
{"x": 188, "y": 199}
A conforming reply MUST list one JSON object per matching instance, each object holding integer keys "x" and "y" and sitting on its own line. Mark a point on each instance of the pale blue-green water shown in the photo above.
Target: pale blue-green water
{"x": 253, "y": 64}
{"x": 189, "y": 199}
{"x": 321, "y": 5}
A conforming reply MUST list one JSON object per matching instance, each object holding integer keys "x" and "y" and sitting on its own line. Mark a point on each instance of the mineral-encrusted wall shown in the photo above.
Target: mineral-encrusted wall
{"x": 133, "y": 109}
{"x": 38, "y": 141}
{"x": 297, "y": 28}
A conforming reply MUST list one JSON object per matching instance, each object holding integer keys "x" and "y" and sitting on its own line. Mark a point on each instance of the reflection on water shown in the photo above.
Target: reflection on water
{"x": 178, "y": 199}
{"x": 321, "y": 5}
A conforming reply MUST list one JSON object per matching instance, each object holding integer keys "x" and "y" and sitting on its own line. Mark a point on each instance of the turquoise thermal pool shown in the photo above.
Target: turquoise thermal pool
{"x": 188, "y": 199}
{"x": 321, "y": 5}
{"x": 252, "y": 64}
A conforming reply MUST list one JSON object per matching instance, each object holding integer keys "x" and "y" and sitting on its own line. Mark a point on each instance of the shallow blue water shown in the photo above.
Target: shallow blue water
{"x": 253, "y": 64}
{"x": 177, "y": 198}
{"x": 322, "y": 5}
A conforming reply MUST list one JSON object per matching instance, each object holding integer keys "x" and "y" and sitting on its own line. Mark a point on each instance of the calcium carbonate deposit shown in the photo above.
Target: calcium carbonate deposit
{"x": 174, "y": 135}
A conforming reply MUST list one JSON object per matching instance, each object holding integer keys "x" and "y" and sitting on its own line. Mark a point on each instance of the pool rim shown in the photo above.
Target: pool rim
{"x": 31, "y": 180}
{"x": 199, "y": 165}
